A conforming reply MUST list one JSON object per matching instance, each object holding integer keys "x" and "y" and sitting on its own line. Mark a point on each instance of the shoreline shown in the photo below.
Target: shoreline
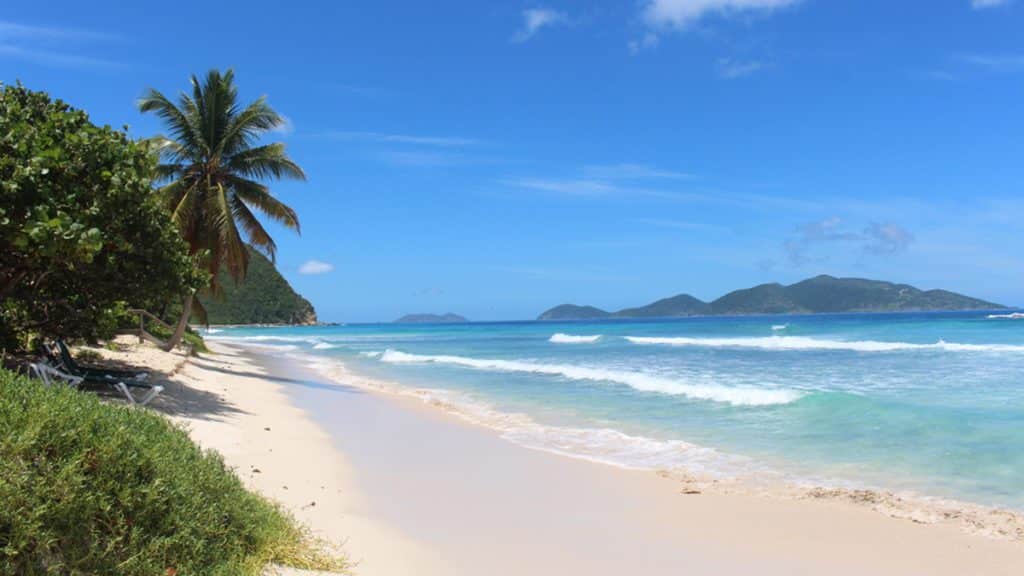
{"x": 412, "y": 489}
{"x": 976, "y": 519}
{"x": 848, "y": 536}
{"x": 230, "y": 403}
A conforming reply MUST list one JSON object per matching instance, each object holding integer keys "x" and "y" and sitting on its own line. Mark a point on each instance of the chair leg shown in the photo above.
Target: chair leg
{"x": 152, "y": 393}
{"x": 125, "y": 392}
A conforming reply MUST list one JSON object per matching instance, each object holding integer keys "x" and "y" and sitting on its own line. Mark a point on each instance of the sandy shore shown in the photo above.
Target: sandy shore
{"x": 410, "y": 489}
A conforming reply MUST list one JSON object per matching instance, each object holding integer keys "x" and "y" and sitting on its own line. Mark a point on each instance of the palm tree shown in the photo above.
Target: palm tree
{"x": 211, "y": 172}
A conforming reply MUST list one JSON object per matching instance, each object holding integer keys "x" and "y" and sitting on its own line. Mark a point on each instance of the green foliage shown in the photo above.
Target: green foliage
{"x": 81, "y": 234}
{"x": 93, "y": 488}
{"x": 264, "y": 297}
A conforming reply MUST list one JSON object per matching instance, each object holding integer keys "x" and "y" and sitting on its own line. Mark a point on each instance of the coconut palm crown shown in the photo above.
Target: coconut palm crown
{"x": 212, "y": 168}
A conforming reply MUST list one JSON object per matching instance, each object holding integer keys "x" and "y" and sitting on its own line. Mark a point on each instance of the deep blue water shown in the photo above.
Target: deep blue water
{"x": 932, "y": 403}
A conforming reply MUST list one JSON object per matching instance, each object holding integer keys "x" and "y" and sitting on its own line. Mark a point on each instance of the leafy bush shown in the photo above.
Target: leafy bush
{"x": 82, "y": 234}
{"x": 92, "y": 488}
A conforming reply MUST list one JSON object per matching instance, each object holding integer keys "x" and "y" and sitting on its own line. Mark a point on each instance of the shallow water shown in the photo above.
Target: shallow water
{"x": 930, "y": 403}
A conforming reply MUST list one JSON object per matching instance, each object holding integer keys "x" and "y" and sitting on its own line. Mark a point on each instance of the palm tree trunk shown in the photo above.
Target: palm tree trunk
{"x": 179, "y": 330}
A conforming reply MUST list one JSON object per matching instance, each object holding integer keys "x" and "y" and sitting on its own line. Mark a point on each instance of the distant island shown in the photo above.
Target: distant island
{"x": 448, "y": 318}
{"x": 819, "y": 295}
{"x": 264, "y": 297}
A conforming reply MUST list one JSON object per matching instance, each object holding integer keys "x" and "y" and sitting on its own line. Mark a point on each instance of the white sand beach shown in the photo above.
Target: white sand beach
{"x": 409, "y": 489}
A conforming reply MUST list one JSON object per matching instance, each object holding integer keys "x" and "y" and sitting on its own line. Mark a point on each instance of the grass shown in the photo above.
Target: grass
{"x": 88, "y": 487}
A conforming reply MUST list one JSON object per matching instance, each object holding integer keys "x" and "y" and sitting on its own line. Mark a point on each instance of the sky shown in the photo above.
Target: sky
{"x": 496, "y": 159}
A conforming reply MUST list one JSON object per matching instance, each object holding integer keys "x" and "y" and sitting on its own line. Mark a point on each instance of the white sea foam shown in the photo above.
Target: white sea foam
{"x": 778, "y": 327}
{"x": 735, "y": 395}
{"x": 1011, "y": 316}
{"x": 805, "y": 343}
{"x": 603, "y": 445}
{"x": 210, "y": 331}
{"x": 573, "y": 339}
{"x": 324, "y": 346}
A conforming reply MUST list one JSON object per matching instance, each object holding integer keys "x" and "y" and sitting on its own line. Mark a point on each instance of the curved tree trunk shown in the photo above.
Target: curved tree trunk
{"x": 179, "y": 330}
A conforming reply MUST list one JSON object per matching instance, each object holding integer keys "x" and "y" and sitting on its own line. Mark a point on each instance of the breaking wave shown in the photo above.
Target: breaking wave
{"x": 804, "y": 343}
{"x": 735, "y": 395}
{"x": 1010, "y": 316}
{"x": 573, "y": 339}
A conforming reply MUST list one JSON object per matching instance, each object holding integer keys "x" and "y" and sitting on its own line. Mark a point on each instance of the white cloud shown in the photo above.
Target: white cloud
{"x": 534, "y": 19}
{"x": 981, "y": 4}
{"x": 682, "y": 13}
{"x": 312, "y": 267}
{"x": 731, "y": 69}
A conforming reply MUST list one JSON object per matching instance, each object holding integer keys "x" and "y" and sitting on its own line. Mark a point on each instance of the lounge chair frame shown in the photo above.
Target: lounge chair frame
{"x": 50, "y": 374}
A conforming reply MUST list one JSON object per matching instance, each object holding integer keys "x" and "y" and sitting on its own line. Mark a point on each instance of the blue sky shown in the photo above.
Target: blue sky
{"x": 496, "y": 159}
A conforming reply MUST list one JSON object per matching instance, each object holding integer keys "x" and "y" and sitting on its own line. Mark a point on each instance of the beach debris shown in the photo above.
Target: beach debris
{"x": 267, "y": 428}
{"x": 690, "y": 491}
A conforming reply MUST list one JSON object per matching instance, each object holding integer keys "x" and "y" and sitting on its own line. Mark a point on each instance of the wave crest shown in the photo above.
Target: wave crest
{"x": 573, "y": 339}
{"x": 735, "y": 395}
{"x": 804, "y": 343}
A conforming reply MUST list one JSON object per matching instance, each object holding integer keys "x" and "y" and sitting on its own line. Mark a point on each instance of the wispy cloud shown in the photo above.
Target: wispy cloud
{"x": 886, "y": 238}
{"x": 13, "y": 31}
{"x": 627, "y": 171}
{"x": 386, "y": 138}
{"x": 606, "y": 179}
{"x": 878, "y": 239}
{"x": 684, "y": 225}
{"x": 51, "y": 46}
{"x": 995, "y": 62}
{"x": 731, "y": 69}
{"x": 421, "y": 158}
{"x": 982, "y": 4}
{"x": 571, "y": 186}
{"x": 663, "y": 15}
{"x": 682, "y": 13}
{"x": 314, "y": 267}
{"x": 535, "y": 19}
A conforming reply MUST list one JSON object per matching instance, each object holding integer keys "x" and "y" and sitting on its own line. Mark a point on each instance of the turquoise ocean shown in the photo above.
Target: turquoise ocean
{"x": 929, "y": 404}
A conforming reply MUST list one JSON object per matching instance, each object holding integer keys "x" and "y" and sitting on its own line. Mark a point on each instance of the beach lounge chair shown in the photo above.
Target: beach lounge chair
{"x": 51, "y": 374}
{"x": 62, "y": 358}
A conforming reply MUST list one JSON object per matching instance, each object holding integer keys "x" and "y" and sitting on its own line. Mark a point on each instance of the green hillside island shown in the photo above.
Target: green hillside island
{"x": 448, "y": 318}
{"x": 264, "y": 297}
{"x": 818, "y": 295}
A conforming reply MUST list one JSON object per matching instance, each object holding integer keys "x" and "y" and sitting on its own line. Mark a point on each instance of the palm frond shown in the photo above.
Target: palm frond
{"x": 257, "y": 235}
{"x": 247, "y": 126}
{"x": 259, "y": 197}
{"x": 268, "y": 161}
{"x": 177, "y": 121}
{"x": 229, "y": 242}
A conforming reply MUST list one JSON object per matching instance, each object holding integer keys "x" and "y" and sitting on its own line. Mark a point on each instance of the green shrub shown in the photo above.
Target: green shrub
{"x": 93, "y": 488}
{"x": 82, "y": 234}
